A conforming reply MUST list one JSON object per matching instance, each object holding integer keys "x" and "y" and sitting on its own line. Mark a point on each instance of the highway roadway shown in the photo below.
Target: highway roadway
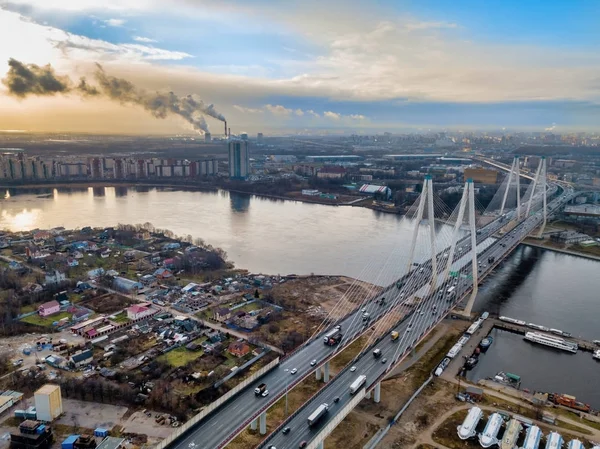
{"x": 222, "y": 425}
{"x": 412, "y": 329}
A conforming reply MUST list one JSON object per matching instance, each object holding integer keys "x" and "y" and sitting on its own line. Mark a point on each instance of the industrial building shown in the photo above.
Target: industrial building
{"x": 482, "y": 175}
{"x": 372, "y": 189}
{"x": 239, "y": 160}
{"x": 48, "y": 402}
{"x": 32, "y": 435}
{"x": 334, "y": 159}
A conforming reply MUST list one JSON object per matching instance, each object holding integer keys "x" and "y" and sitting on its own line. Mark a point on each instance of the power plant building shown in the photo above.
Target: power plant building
{"x": 48, "y": 403}
{"x": 239, "y": 160}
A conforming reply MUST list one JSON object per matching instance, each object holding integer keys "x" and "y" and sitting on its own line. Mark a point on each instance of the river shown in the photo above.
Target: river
{"x": 275, "y": 236}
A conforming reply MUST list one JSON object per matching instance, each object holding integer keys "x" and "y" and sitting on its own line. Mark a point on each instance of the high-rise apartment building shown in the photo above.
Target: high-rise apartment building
{"x": 239, "y": 161}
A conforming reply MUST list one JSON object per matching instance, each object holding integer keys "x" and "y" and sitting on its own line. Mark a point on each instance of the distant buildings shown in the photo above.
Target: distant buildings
{"x": 239, "y": 161}
{"x": 139, "y": 311}
{"x": 49, "y": 308}
{"x": 482, "y": 175}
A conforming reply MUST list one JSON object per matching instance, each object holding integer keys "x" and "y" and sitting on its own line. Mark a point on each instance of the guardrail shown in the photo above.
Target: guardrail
{"x": 216, "y": 404}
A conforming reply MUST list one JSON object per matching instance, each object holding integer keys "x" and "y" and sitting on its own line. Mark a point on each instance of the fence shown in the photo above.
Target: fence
{"x": 216, "y": 404}
{"x": 242, "y": 368}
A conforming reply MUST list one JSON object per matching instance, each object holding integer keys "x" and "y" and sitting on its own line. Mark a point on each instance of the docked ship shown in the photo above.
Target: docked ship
{"x": 553, "y": 342}
{"x": 538, "y": 327}
{"x": 467, "y": 429}
{"x": 561, "y": 333}
{"x": 489, "y": 435}
{"x": 486, "y": 342}
{"x": 472, "y": 361}
{"x": 532, "y": 438}
{"x": 554, "y": 441}
{"x": 512, "y": 320}
{"x": 509, "y": 439}
{"x": 596, "y": 354}
{"x": 575, "y": 444}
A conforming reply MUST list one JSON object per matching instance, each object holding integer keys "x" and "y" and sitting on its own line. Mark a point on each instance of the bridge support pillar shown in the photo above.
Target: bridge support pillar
{"x": 254, "y": 424}
{"x": 321, "y": 445}
{"x": 474, "y": 267}
{"x": 263, "y": 423}
{"x": 377, "y": 395}
{"x": 326, "y": 372}
{"x": 368, "y": 395}
{"x": 318, "y": 373}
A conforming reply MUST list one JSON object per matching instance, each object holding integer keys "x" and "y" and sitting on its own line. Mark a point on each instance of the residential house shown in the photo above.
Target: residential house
{"x": 147, "y": 279}
{"x": 15, "y": 266}
{"x": 222, "y": 314}
{"x": 163, "y": 274}
{"x": 238, "y": 348}
{"x": 138, "y": 311}
{"x": 33, "y": 288}
{"x": 55, "y": 277}
{"x": 49, "y": 308}
{"x": 40, "y": 236}
{"x": 169, "y": 263}
{"x": 72, "y": 262}
{"x": 96, "y": 273}
{"x": 82, "y": 358}
{"x": 174, "y": 245}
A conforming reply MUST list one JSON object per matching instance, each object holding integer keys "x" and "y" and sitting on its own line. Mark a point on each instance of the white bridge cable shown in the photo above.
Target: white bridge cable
{"x": 420, "y": 277}
{"x": 355, "y": 290}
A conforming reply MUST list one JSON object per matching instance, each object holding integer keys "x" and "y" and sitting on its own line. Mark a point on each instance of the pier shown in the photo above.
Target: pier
{"x": 584, "y": 345}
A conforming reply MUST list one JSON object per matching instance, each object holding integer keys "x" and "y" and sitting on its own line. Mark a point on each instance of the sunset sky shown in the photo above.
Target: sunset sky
{"x": 292, "y": 65}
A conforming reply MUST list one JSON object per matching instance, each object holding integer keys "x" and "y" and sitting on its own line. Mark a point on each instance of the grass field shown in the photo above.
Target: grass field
{"x": 180, "y": 356}
{"x": 121, "y": 318}
{"x": 45, "y": 321}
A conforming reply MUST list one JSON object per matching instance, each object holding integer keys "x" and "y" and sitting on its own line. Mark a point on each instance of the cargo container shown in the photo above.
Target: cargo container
{"x": 69, "y": 442}
{"x": 357, "y": 384}
{"x": 317, "y": 414}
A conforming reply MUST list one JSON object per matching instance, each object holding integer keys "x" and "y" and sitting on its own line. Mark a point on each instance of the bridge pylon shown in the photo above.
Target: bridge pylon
{"x": 543, "y": 179}
{"x": 470, "y": 187}
{"x": 425, "y": 199}
{"x": 513, "y": 174}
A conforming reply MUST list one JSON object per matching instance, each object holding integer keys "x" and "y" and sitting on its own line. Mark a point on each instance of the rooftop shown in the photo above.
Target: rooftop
{"x": 111, "y": 443}
{"x": 47, "y": 389}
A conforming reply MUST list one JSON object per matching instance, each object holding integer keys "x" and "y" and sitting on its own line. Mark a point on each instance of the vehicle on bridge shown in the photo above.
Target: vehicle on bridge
{"x": 357, "y": 384}
{"x": 318, "y": 413}
{"x": 333, "y": 337}
{"x": 260, "y": 389}
{"x": 377, "y": 353}
{"x": 395, "y": 335}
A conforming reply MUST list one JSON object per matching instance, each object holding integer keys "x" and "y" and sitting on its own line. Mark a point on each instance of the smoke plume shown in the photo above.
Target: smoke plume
{"x": 29, "y": 79}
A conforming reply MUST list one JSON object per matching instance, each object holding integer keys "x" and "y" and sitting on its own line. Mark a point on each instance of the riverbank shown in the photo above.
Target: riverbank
{"x": 549, "y": 247}
{"x": 111, "y": 183}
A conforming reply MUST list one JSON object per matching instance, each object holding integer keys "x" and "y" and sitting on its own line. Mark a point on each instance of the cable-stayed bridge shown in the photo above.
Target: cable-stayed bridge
{"x": 442, "y": 268}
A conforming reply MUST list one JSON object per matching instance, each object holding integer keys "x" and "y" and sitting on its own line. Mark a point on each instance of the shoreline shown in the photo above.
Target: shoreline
{"x": 207, "y": 188}
{"x": 563, "y": 251}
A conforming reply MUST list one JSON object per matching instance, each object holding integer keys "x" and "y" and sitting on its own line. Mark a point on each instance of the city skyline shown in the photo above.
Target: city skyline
{"x": 312, "y": 66}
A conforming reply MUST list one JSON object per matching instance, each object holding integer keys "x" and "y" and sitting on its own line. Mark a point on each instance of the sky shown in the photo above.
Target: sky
{"x": 311, "y": 66}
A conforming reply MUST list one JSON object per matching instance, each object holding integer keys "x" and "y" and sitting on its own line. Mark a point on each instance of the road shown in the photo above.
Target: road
{"x": 412, "y": 328}
{"x": 228, "y": 420}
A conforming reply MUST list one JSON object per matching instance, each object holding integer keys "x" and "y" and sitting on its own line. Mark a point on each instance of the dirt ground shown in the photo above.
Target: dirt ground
{"x": 138, "y": 422}
{"x": 107, "y": 303}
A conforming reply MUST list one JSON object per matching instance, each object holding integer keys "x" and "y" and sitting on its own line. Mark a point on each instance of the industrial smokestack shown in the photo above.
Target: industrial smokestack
{"x": 229, "y": 132}
{"x": 225, "y": 122}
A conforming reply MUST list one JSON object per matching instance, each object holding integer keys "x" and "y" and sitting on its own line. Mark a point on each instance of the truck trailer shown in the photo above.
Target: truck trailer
{"x": 357, "y": 384}
{"x": 318, "y": 413}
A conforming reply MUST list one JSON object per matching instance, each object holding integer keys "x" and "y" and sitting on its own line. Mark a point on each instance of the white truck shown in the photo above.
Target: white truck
{"x": 357, "y": 384}
{"x": 316, "y": 415}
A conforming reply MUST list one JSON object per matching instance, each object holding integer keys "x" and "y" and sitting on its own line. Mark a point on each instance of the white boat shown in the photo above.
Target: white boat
{"x": 575, "y": 444}
{"x": 596, "y": 354}
{"x": 509, "y": 439}
{"x": 512, "y": 320}
{"x": 532, "y": 438}
{"x": 538, "y": 327}
{"x": 489, "y": 435}
{"x": 553, "y": 342}
{"x": 554, "y": 441}
{"x": 467, "y": 429}
{"x": 485, "y": 315}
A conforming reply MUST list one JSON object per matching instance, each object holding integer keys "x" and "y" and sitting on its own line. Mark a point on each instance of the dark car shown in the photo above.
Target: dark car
{"x": 286, "y": 430}
{"x": 336, "y": 399}
{"x": 303, "y": 444}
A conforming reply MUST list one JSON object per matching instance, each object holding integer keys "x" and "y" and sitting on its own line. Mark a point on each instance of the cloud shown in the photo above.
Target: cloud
{"x": 245, "y": 110}
{"x": 357, "y": 117}
{"x": 145, "y": 40}
{"x": 299, "y": 112}
{"x": 115, "y": 22}
{"x": 313, "y": 113}
{"x": 278, "y": 110}
{"x": 332, "y": 115}
{"x": 412, "y": 26}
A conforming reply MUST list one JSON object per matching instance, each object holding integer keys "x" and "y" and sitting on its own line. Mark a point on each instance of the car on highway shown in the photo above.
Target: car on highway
{"x": 286, "y": 430}
{"x": 313, "y": 362}
{"x": 294, "y": 371}
{"x": 302, "y": 444}
{"x": 336, "y": 399}
{"x": 384, "y": 360}
{"x": 272, "y": 447}
{"x": 265, "y": 393}
{"x": 364, "y": 309}
{"x": 408, "y": 329}
{"x": 353, "y": 369}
